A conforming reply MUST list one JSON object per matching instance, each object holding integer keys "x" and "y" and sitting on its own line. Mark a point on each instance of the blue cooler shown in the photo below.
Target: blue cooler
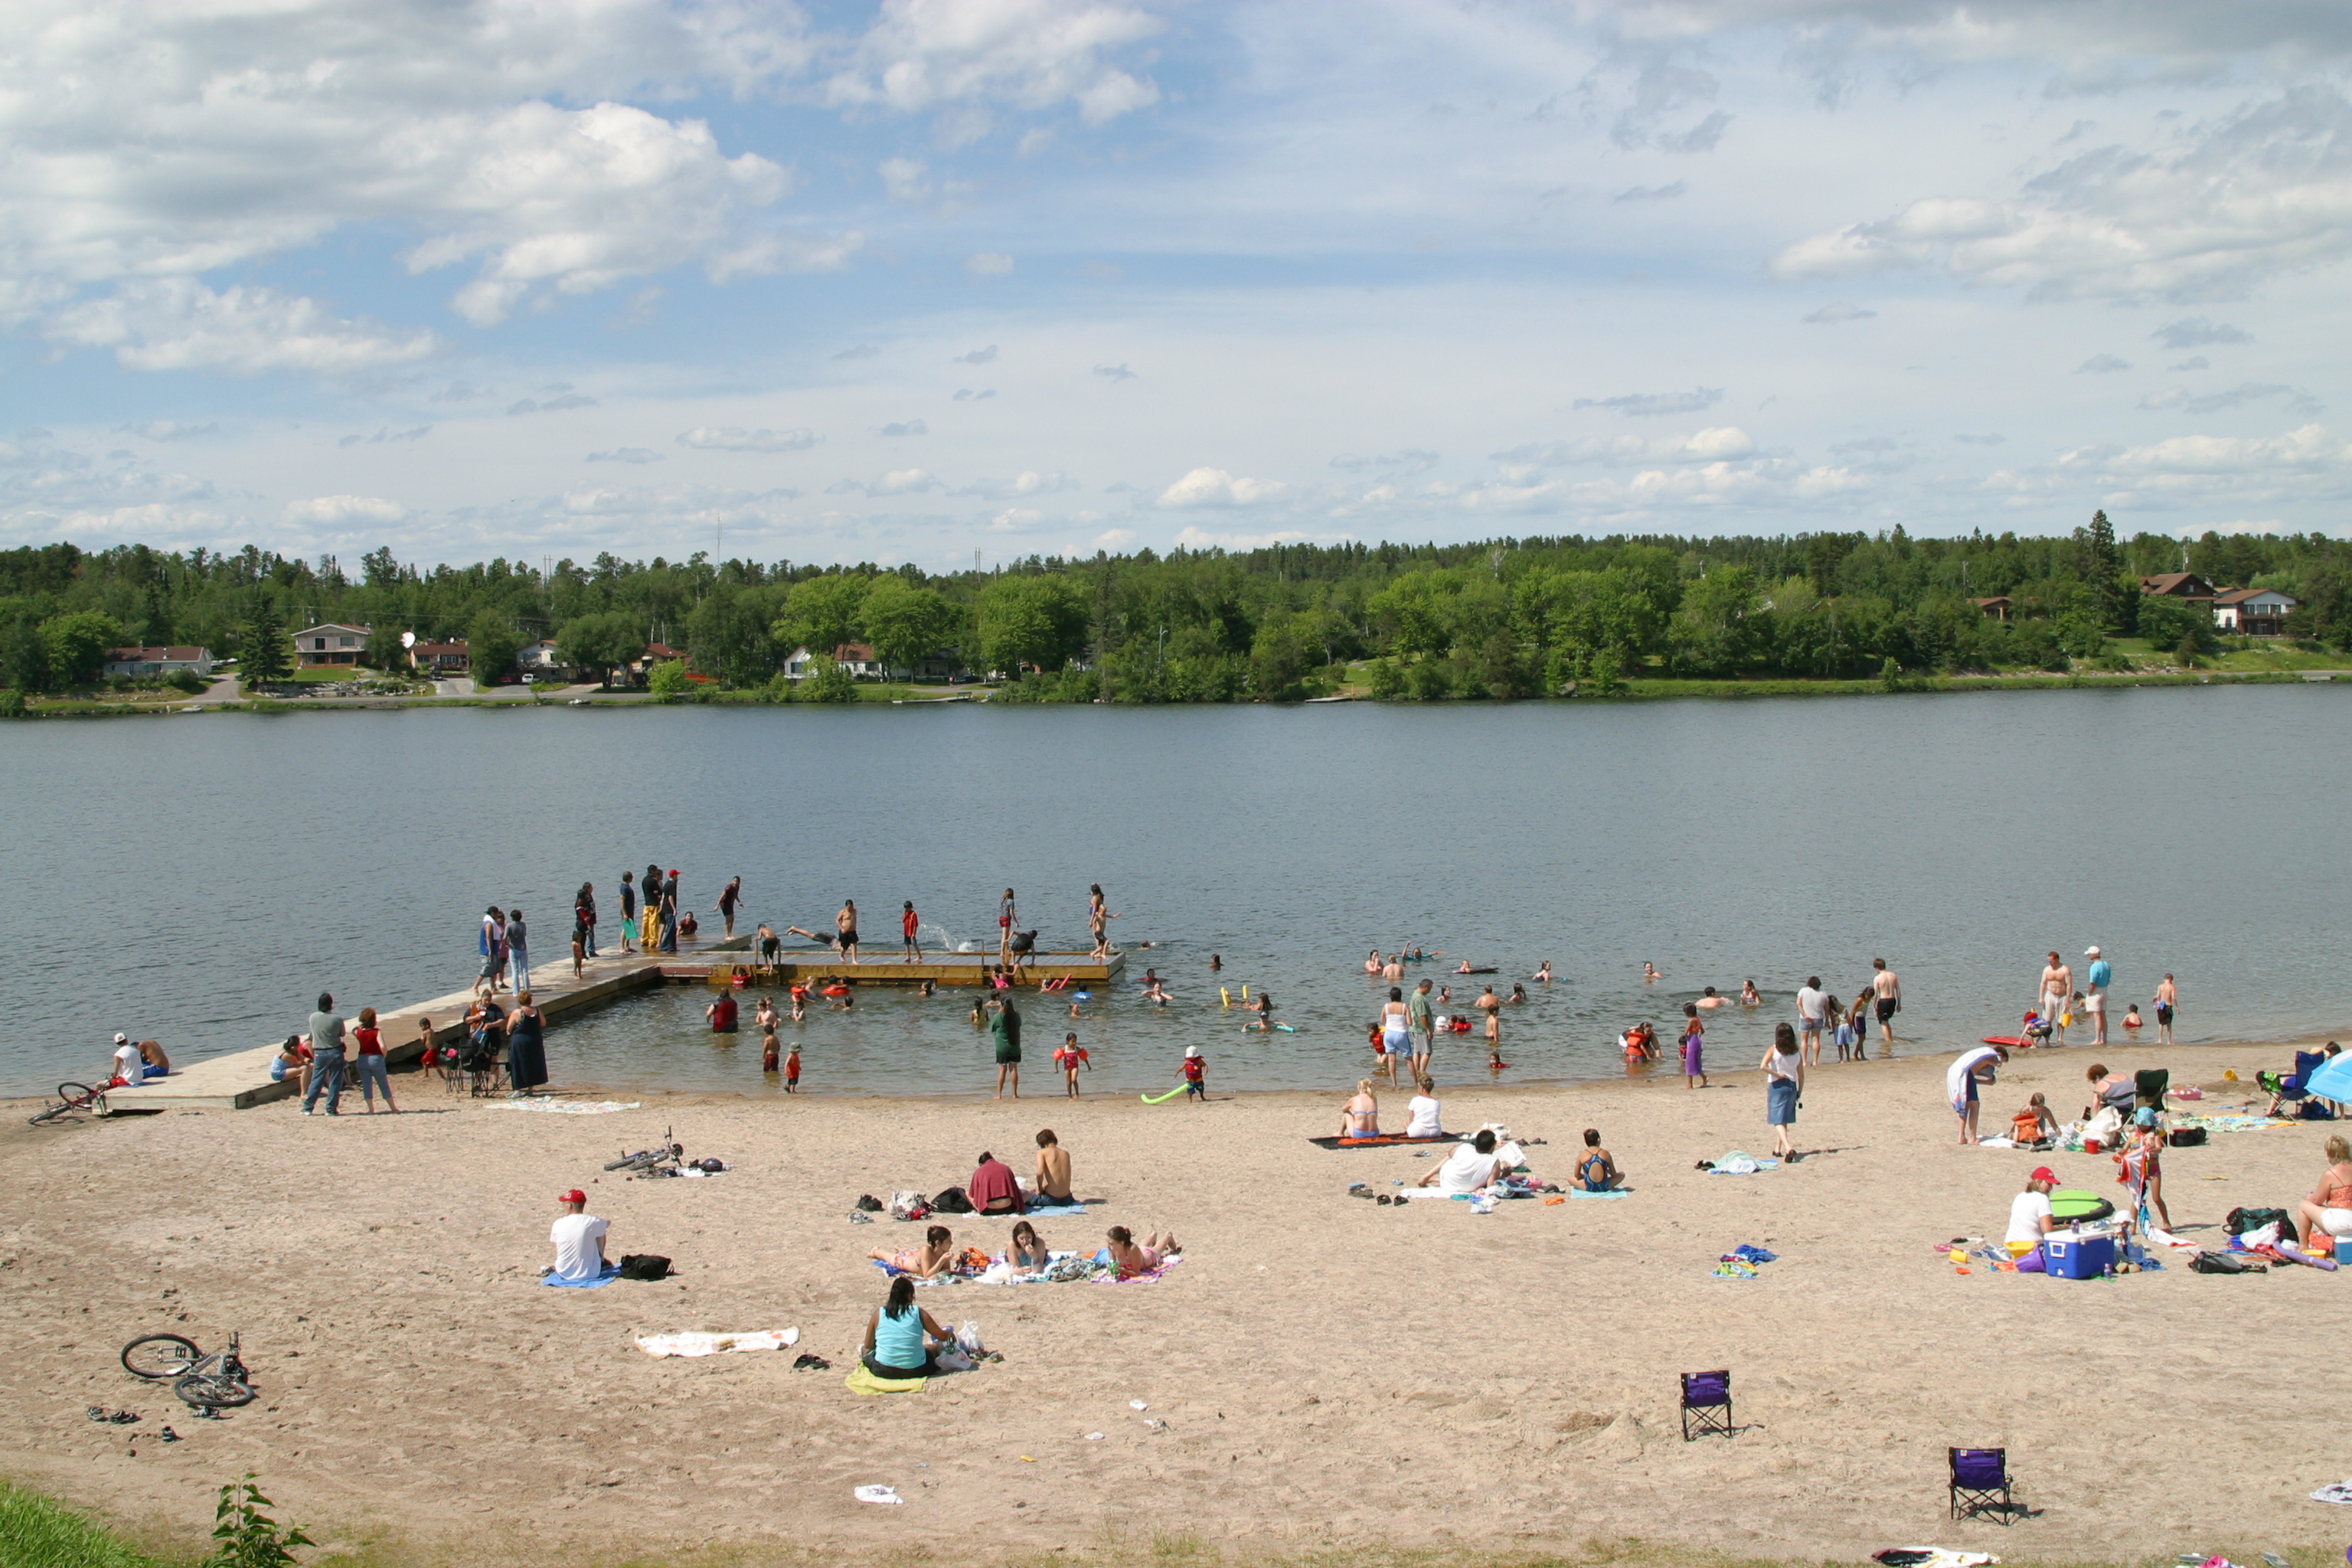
{"x": 2070, "y": 1254}
{"x": 2342, "y": 1250}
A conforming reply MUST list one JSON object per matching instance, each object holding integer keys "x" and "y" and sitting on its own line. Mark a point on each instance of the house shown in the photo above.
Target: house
{"x": 316, "y": 647}
{"x": 158, "y": 660}
{"x": 797, "y": 663}
{"x": 2178, "y": 585}
{"x": 2252, "y": 612}
{"x": 1995, "y": 608}
{"x": 656, "y": 653}
{"x": 940, "y": 664}
{"x": 440, "y": 657}
{"x": 541, "y": 659}
{"x": 858, "y": 658}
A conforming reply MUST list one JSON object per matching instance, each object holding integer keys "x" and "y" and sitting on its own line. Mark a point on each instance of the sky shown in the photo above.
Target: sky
{"x": 946, "y": 280}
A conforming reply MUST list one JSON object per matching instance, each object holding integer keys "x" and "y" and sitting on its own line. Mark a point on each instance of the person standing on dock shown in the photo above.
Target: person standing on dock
{"x": 727, "y": 902}
{"x": 845, "y": 923}
{"x": 628, "y": 910}
{"x": 1005, "y": 915}
{"x": 517, "y": 950}
{"x": 584, "y": 911}
{"x": 494, "y": 950}
{"x": 669, "y": 913}
{"x": 1099, "y": 918}
{"x": 910, "y": 925}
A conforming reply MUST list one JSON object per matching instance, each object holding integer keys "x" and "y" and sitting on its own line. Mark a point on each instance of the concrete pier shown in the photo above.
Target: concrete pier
{"x": 241, "y": 1079}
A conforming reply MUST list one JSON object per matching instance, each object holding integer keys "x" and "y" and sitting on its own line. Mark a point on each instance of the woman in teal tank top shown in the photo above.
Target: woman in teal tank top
{"x": 900, "y": 1336}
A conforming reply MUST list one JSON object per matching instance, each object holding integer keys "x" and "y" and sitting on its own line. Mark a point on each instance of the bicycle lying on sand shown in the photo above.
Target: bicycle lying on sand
{"x": 646, "y": 1160}
{"x": 204, "y": 1382}
{"x": 75, "y": 1098}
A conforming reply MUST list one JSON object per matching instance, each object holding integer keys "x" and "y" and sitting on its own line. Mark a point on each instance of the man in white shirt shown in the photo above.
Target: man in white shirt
{"x": 1809, "y": 997}
{"x": 579, "y": 1239}
{"x": 2028, "y": 1212}
{"x": 129, "y": 1065}
{"x": 1472, "y": 1167}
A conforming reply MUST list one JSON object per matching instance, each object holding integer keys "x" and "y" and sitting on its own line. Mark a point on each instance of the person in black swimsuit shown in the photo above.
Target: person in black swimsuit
{"x": 845, "y": 922}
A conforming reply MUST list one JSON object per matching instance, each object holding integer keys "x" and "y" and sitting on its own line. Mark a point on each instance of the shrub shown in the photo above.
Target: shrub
{"x": 667, "y": 678}
{"x": 247, "y": 1537}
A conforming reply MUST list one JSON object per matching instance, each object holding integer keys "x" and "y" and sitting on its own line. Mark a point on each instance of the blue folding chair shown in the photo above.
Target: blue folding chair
{"x": 2289, "y": 1088}
{"x": 1981, "y": 1482}
{"x": 1706, "y": 1404}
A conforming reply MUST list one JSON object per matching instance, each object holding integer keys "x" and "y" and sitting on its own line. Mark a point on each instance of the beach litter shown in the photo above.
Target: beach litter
{"x": 2338, "y": 1491}
{"x": 1932, "y": 1557}
{"x": 886, "y": 1495}
{"x": 699, "y": 1345}
{"x": 569, "y": 1107}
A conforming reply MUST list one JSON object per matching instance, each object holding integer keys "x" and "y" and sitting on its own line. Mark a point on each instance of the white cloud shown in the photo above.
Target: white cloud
{"x": 168, "y": 430}
{"x": 2198, "y": 332}
{"x": 555, "y": 405}
{"x": 177, "y": 323}
{"x": 966, "y": 395}
{"x": 730, "y": 438}
{"x": 898, "y": 483}
{"x": 2102, "y": 365}
{"x": 332, "y": 510}
{"x": 859, "y": 350}
{"x": 1713, "y": 444}
{"x": 1201, "y": 539}
{"x": 1652, "y": 193}
{"x": 988, "y": 263}
{"x": 905, "y": 427}
{"x": 2194, "y": 361}
{"x": 2308, "y": 449}
{"x": 906, "y": 179}
{"x": 1115, "y": 372}
{"x": 1021, "y": 486}
{"x": 1830, "y": 315}
{"x": 626, "y": 455}
{"x": 1113, "y": 539}
{"x": 2261, "y": 191}
{"x": 1029, "y": 54}
{"x": 978, "y": 356}
{"x": 1412, "y": 460}
{"x": 1655, "y": 405}
{"x": 1214, "y": 486}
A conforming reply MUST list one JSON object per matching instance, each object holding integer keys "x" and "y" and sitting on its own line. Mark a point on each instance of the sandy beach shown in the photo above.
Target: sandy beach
{"x": 1330, "y": 1373}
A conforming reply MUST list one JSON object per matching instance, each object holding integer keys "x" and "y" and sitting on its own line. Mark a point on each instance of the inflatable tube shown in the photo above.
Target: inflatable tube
{"x": 2012, "y": 1041}
{"x": 1489, "y": 969}
{"x": 1156, "y": 1099}
{"x": 2074, "y": 1204}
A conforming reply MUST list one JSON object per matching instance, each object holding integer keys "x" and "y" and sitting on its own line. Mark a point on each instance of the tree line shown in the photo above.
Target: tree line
{"x": 1496, "y": 618}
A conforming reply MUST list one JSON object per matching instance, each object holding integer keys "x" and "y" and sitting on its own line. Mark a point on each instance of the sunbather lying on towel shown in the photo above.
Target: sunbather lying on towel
{"x": 901, "y": 1336}
{"x": 929, "y": 1261}
{"x": 1132, "y": 1260}
{"x": 1027, "y": 1255}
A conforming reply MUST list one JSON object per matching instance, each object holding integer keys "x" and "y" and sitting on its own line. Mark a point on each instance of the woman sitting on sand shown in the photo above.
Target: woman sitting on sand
{"x": 1425, "y": 1115}
{"x": 2327, "y": 1212}
{"x": 928, "y": 1261}
{"x": 1360, "y": 1117}
{"x": 1132, "y": 1260}
{"x": 901, "y": 1336}
{"x": 1027, "y": 1255}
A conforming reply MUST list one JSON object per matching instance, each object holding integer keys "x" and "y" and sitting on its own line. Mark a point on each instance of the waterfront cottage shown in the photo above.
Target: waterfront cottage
{"x": 158, "y": 660}
{"x": 315, "y": 648}
{"x": 440, "y": 657}
{"x": 2252, "y": 612}
{"x": 2178, "y": 585}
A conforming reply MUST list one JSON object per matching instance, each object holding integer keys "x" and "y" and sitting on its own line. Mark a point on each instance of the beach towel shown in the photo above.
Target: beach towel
{"x": 569, "y": 1107}
{"x": 2336, "y": 1491}
{"x": 1111, "y": 1275}
{"x": 693, "y": 1344}
{"x": 1050, "y": 1211}
{"x": 861, "y": 1380}
{"x": 1381, "y": 1141}
{"x": 612, "y": 1272}
{"x": 1612, "y": 1192}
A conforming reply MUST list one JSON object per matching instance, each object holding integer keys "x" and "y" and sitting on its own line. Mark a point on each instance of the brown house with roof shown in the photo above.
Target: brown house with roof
{"x": 440, "y": 657}
{"x": 2253, "y": 612}
{"x": 1996, "y": 608}
{"x": 2178, "y": 585}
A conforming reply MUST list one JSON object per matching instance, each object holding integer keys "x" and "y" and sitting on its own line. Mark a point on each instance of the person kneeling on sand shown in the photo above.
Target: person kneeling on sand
{"x": 2028, "y": 1213}
{"x": 1597, "y": 1172}
{"x": 1053, "y": 1180}
{"x": 901, "y": 1336}
{"x": 992, "y": 1188}
{"x": 1472, "y": 1167}
{"x": 579, "y": 1239}
{"x": 1132, "y": 1260}
{"x": 929, "y": 1261}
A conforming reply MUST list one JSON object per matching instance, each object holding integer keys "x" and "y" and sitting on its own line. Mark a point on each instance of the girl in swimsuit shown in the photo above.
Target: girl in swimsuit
{"x": 1027, "y": 1254}
{"x": 1360, "y": 1117}
{"x": 1131, "y": 1258}
{"x": 1396, "y": 1031}
{"x": 929, "y": 1261}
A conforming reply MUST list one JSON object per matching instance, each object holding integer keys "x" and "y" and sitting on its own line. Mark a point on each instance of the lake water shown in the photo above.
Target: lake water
{"x": 198, "y": 879}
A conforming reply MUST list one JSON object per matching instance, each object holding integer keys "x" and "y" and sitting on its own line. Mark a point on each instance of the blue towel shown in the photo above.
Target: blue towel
{"x": 612, "y": 1272}
{"x": 1058, "y": 1211}
{"x": 1612, "y": 1192}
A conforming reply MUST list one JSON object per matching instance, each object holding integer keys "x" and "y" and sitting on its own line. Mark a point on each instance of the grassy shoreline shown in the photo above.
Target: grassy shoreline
{"x": 1634, "y": 690}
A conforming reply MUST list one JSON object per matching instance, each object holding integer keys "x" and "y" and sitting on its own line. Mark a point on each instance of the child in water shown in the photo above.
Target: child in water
{"x": 793, "y": 1070}
{"x": 1070, "y": 1057}
{"x": 769, "y": 1049}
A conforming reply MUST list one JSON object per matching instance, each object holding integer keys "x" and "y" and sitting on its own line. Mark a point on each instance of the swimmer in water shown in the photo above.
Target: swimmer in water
{"x": 1158, "y": 993}
{"x": 2132, "y": 1019}
{"x": 1394, "y": 968}
{"x": 1373, "y": 962}
{"x": 1650, "y": 972}
{"x": 1265, "y": 1019}
{"x": 1543, "y": 974}
{"x": 1519, "y": 994}
{"x": 1215, "y": 964}
{"x": 1749, "y": 995}
{"x": 1712, "y": 1000}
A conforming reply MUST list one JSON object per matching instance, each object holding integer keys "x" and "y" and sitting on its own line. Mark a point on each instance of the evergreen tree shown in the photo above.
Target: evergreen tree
{"x": 2100, "y": 566}
{"x": 264, "y": 652}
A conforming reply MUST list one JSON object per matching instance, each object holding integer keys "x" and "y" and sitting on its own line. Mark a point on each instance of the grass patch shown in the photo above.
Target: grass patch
{"x": 37, "y": 1534}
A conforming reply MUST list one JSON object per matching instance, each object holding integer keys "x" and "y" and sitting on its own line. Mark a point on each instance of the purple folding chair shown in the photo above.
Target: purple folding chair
{"x": 1981, "y": 1482}
{"x": 1706, "y": 1404}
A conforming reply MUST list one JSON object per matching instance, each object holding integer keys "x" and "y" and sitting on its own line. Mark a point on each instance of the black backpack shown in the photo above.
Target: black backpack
{"x": 2241, "y": 1221}
{"x": 2225, "y": 1263}
{"x": 951, "y": 1200}
{"x": 645, "y": 1266}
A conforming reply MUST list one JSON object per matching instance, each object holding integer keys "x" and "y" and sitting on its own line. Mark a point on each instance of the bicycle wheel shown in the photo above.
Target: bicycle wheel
{"x": 160, "y": 1356}
{"x": 212, "y": 1391}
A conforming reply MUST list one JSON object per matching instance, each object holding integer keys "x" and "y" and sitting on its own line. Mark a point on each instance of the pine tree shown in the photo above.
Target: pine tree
{"x": 2100, "y": 565}
{"x": 263, "y": 654}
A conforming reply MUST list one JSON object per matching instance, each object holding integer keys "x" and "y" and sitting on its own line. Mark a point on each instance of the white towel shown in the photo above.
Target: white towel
{"x": 712, "y": 1345}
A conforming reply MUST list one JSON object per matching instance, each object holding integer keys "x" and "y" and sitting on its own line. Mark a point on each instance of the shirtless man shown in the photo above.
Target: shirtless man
{"x": 2057, "y": 985}
{"x": 1712, "y": 1000}
{"x": 845, "y": 923}
{"x": 1887, "y": 999}
{"x": 1053, "y": 1181}
{"x": 2167, "y": 996}
{"x": 1394, "y": 968}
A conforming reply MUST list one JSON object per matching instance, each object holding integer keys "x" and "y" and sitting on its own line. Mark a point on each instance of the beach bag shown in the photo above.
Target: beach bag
{"x": 908, "y": 1205}
{"x": 2186, "y": 1137}
{"x": 2221, "y": 1263}
{"x": 645, "y": 1266}
{"x": 867, "y": 1204}
{"x": 2242, "y": 1220}
{"x": 967, "y": 1338}
{"x": 2314, "y": 1110}
{"x": 951, "y": 1200}
{"x": 2106, "y": 1126}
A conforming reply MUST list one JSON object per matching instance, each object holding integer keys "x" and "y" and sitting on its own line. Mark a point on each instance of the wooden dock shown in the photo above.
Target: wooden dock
{"x": 241, "y": 1079}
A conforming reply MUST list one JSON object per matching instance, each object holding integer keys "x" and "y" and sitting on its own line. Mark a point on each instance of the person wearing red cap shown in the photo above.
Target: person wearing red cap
{"x": 2028, "y": 1212}
{"x": 579, "y": 1239}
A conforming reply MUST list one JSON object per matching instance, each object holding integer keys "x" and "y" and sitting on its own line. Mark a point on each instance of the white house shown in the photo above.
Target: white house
{"x": 315, "y": 646}
{"x": 158, "y": 660}
{"x": 860, "y": 660}
{"x": 2252, "y": 612}
{"x": 540, "y": 659}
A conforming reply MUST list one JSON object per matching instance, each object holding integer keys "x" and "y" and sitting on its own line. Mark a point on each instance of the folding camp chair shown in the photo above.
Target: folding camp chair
{"x": 2288, "y": 1089}
{"x": 1706, "y": 1404}
{"x": 2149, "y": 1084}
{"x": 1981, "y": 1482}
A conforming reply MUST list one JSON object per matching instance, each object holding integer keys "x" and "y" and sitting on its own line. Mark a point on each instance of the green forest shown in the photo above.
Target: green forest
{"x": 1498, "y": 619}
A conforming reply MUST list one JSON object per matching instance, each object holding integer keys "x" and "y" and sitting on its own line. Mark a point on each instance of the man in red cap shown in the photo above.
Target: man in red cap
{"x": 579, "y": 1239}
{"x": 2028, "y": 1212}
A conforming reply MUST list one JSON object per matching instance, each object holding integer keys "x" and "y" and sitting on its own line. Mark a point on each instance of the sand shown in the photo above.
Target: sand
{"x": 1330, "y": 1371}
